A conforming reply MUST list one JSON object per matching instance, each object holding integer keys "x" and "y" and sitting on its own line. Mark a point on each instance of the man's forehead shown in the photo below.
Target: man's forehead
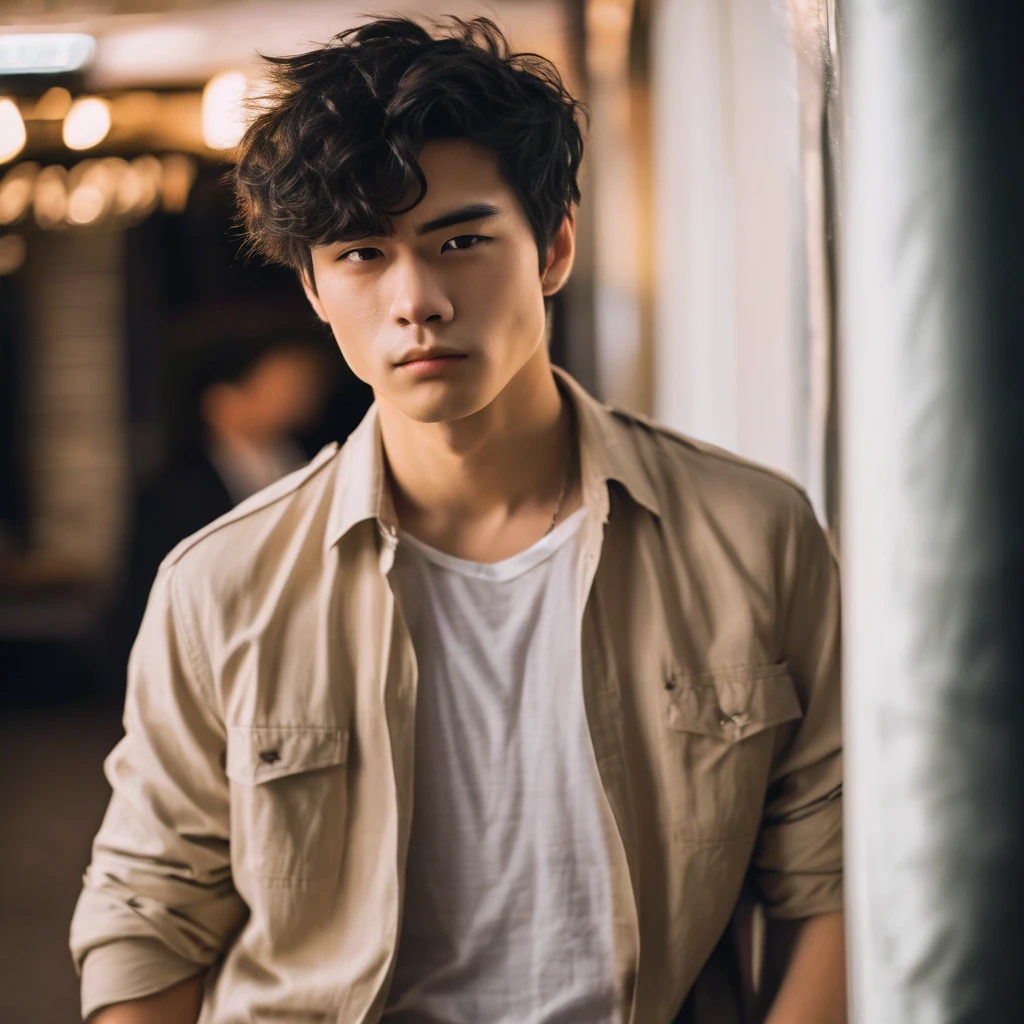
{"x": 457, "y": 173}
{"x": 458, "y": 156}
{"x": 463, "y": 183}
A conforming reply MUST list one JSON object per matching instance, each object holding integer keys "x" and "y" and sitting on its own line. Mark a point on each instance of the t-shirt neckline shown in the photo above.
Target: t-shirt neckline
{"x": 508, "y": 568}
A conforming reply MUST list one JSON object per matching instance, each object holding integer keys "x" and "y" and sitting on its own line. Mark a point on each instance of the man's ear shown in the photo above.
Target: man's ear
{"x": 314, "y": 299}
{"x": 561, "y": 256}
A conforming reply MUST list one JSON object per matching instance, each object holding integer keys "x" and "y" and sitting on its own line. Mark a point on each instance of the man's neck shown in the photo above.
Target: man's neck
{"x": 484, "y": 487}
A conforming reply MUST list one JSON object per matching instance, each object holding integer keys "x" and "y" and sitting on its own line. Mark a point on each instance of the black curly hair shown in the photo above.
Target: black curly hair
{"x": 333, "y": 153}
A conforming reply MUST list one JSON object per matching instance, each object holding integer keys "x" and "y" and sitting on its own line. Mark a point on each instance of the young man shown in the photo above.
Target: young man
{"x": 489, "y": 715}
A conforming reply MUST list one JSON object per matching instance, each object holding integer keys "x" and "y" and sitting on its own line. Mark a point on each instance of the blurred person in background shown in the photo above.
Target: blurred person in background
{"x": 241, "y": 405}
{"x": 245, "y": 404}
{"x": 489, "y": 715}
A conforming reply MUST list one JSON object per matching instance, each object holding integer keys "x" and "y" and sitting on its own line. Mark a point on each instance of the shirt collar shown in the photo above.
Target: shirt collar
{"x": 607, "y": 452}
{"x": 361, "y": 484}
{"x": 608, "y": 449}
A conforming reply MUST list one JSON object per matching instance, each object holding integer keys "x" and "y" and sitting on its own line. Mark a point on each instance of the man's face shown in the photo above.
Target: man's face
{"x": 440, "y": 315}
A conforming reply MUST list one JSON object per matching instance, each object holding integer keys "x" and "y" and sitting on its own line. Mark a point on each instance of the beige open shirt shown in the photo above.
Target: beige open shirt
{"x": 263, "y": 792}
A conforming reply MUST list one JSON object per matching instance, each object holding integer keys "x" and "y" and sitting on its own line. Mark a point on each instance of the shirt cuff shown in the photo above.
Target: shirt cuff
{"x": 794, "y": 897}
{"x": 798, "y": 865}
{"x": 130, "y": 969}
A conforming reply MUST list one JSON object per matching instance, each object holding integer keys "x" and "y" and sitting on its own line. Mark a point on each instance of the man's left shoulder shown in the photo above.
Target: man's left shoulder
{"x": 681, "y": 467}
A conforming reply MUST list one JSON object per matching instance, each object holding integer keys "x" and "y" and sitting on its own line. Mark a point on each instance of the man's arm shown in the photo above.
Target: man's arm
{"x": 158, "y": 904}
{"x": 179, "y": 1004}
{"x": 814, "y": 986}
{"x": 797, "y": 869}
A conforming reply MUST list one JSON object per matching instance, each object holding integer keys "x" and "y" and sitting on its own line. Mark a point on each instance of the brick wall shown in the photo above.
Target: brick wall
{"x": 74, "y": 398}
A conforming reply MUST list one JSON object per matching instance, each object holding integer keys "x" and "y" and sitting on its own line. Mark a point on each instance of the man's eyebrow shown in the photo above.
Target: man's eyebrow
{"x": 473, "y": 211}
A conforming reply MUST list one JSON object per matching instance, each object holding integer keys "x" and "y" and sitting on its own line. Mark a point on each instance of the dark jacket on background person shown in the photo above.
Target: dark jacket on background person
{"x": 186, "y": 496}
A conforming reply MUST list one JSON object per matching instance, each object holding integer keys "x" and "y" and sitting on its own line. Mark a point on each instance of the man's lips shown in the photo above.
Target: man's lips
{"x": 431, "y": 363}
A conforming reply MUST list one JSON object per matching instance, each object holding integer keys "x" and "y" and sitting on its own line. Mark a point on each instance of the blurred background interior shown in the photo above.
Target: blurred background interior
{"x": 151, "y": 375}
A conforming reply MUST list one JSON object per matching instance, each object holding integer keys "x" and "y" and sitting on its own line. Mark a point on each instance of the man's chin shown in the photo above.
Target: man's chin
{"x": 441, "y": 404}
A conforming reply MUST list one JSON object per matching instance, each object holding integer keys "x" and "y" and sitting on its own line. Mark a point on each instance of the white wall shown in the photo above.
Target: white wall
{"x": 734, "y": 317}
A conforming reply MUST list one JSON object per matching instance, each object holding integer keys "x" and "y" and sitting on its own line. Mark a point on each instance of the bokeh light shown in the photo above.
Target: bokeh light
{"x": 86, "y": 123}
{"x": 12, "y": 130}
{"x": 179, "y": 171}
{"x": 138, "y": 190}
{"x": 50, "y": 197}
{"x": 90, "y": 191}
{"x": 12, "y": 253}
{"x": 42, "y": 53}
{"x": 16, "y": 191}
{"x": 53, "y": 105}
{"x": 224, "y": 109}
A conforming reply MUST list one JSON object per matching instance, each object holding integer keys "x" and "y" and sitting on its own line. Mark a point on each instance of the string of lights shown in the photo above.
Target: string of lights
{"x": 147, "y": 144}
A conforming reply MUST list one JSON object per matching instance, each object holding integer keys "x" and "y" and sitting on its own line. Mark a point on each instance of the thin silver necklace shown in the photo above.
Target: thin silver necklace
{"x": 561, "y": 494}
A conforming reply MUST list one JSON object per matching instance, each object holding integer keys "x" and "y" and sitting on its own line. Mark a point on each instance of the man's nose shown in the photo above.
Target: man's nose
{"x": 418, "y": 296}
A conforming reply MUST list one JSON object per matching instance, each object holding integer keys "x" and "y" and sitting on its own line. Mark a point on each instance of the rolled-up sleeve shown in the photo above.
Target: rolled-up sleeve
{"x": 158, "y": 904}
{"x": 798, "y": 860}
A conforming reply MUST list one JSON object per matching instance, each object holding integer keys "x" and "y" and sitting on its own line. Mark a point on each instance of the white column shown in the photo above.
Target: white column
{"x": 732, "y": 316}
{"x": 622, "y": 364}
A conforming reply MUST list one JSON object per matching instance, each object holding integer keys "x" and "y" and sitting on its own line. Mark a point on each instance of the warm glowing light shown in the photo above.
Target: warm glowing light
{"x": 85, "y": 205}
{"x": 115, "y": 169}
{"x": 136, "y": 110}
{"x": 130, "y": 192}
{"x": 179, "y": 171}
{"x": 12, "y": 130}
{"x": 87, "y": 123}
{"x": 53, "y": 105}
{"x": 90, "y": 191}
{"x": 16, "y": 191}
{"x": 50, "y": 198}
{"x": 224, "y": 109}
{"x": 138, "y": 191}
{"x": 12, "y": 253}
{"x": 609, "y": 15}
{"x": 44, "y": 53}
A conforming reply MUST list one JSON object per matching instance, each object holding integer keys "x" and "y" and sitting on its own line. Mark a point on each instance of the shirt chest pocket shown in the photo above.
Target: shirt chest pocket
{"x": 720, "y": 733}
{"x": 289, "y": 800}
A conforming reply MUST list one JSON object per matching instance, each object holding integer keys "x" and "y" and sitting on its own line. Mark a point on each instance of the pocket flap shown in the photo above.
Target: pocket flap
{"x": 260, "y": 753}
{"x": 732, "y": 704}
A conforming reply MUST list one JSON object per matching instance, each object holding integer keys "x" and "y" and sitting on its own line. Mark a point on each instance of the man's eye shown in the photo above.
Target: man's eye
{"x": 462, "y": 242}
{"x": 360, "y": 255}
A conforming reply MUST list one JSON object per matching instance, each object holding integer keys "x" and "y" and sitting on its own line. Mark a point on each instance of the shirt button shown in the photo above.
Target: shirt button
{"x": 269, "y": 756}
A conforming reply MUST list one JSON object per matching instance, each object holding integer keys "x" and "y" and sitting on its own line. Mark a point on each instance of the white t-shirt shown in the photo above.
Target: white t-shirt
{"x": 508, "y": 906}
